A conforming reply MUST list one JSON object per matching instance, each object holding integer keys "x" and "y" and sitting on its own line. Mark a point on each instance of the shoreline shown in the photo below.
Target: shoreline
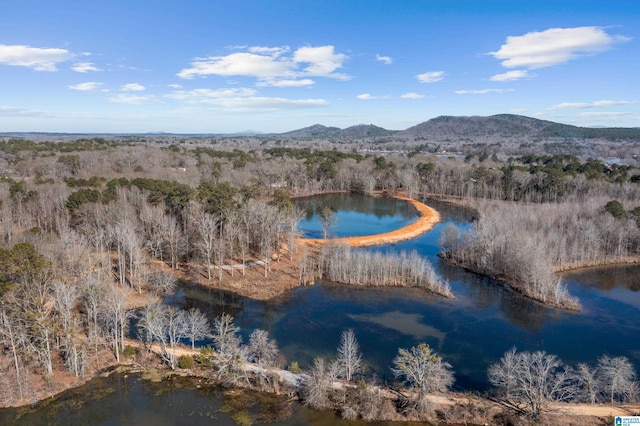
{"x": 427, "y": 219}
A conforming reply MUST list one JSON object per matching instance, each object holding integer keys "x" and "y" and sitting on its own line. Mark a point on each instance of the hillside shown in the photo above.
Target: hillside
{"x": 509, "y": 126}
{"x": 456, "y": 128}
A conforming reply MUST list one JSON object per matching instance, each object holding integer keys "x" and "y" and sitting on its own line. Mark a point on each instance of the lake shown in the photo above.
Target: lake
{"x": 471, "y": 331}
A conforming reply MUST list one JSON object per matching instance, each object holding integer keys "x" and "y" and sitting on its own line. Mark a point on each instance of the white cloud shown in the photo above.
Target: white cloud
{"x": 124, "y": 98}
{"x": 385, "y": 59}
{"x": 196, "y": 96}
{"x": 554, "y": 46}
{"x": 604, "y": 114}
{"x": 242, "y": 99}
{"x": 259, "y": 103}
{"x": 268, "y": 64}
{"x": 6, "y": 111}
{"x": 84, "y": 67}
{"x": 412, "y": 95}
{"x": 175, "y": 86}
{"x": 481, "y": 91}
{"x": 132, "y": 87}
{"x": 510, "y": 75}
{"x": 240, "y": 64}
{"x": 323, "y": 61}
{"x": 87, "y": 87}
{"x": 366, "y": 96}
{"x": 39, "y": 59}
{"x": 430, "y": 77}
{"x": 595, "y": 104}
{"x": 286, "y": 83}
{"x": 271, "y": 51}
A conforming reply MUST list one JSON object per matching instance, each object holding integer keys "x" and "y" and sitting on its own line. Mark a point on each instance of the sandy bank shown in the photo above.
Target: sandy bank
{"x": 427, "y": 219}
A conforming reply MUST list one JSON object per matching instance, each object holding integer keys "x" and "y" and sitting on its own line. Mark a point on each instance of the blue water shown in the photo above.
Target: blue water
{"x": 355, "y": 215}
{"x": 471, "y": 331}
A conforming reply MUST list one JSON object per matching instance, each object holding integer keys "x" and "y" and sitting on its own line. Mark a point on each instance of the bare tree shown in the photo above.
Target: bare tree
{"x": 93, "y": 290}
{"x": 349, "y": 357}
{"x": 617, "y": 378}
{"x": 588, "y": 382}
{"x": 424, "y": 370}
{"x": 231, "y": 354}
{"x": 197, "y": 326}
{"x": 534, "y": 379}
{"x": 504, "y": 374}
{"x": 164, "y": 325}
{"x": 207, "y": 227}
{"x": 317, "y": 386}
{"x": 327, "y": 220}
{"x": 13, "y": 336}
{"x": 262, "y": 350}
{"x": 163, "y": 282}
{"x": 65, "y": 299}
{"x": 116, "y": 316}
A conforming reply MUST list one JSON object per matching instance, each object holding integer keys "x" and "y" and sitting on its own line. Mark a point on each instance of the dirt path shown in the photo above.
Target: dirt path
{"x": 428, "y": 218}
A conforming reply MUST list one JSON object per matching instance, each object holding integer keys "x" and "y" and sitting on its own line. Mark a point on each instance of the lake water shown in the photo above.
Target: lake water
{"x": 355, "y": 215}
{"x": 470, "y": 332}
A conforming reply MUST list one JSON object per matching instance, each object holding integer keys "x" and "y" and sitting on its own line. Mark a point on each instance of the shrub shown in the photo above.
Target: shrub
{"x": 186, "y": 362}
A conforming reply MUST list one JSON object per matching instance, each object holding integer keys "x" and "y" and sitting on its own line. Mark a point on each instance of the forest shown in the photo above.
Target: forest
{"x": 96, "y": 231}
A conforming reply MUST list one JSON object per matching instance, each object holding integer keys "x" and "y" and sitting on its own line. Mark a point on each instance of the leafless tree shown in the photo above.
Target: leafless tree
{"x": 207, "y": 227}
{"x": 341, "y": 263}
{"x": 318, "y": 385}
{"x": 65, "y": 298}
{"x": 349, "y": 358}
{"x": 534, "y": 379}
{"x": 231, "y": 354}
{"x": 164, "y": 325}
{"x": 163, "y": 282}
{"x": 12, "y": 335}
{"x": 116, "y": 316}
{"x": 262, "y": 350}
{"x": 422, "y": 369}
{"x": 616, "y": 376}
{"x": 327, "y": 220}
{"x": 197, "y": 326}
{"x": 93, "y": 290}
{"x": 588, "y": 382}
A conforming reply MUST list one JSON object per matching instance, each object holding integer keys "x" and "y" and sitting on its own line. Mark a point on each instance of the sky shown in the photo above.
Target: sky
{"x": 217, "y": 66}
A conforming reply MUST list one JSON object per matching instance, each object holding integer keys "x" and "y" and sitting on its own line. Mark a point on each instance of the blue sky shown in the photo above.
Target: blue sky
{"x": 273, "y": 66}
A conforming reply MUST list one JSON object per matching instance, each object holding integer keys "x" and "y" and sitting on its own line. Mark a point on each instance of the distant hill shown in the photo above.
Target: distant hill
{"x": 456, "y": 128}
{"x": 510, "y": 126}
{"x": 365, "y": 131}
{"x": 358, "y": 131}
{"x": 315, "y": 131}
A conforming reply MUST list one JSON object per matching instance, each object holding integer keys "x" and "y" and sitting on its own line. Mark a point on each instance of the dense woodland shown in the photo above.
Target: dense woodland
{"x": 92, "y": 228}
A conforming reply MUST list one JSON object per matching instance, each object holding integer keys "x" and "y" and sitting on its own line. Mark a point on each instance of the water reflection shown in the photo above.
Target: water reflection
{"x": 354, "y": 214}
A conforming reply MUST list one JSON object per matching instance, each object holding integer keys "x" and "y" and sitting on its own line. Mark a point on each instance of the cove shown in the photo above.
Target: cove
{"x": 470, "y": 332}
{"x": 355, "y": 214}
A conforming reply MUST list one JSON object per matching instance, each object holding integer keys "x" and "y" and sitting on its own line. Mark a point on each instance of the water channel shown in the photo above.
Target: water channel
{"x": 470, "y": 332}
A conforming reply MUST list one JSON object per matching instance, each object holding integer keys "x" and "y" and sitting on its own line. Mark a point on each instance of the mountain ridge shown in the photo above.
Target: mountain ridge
{"x": 499, "y": 126}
